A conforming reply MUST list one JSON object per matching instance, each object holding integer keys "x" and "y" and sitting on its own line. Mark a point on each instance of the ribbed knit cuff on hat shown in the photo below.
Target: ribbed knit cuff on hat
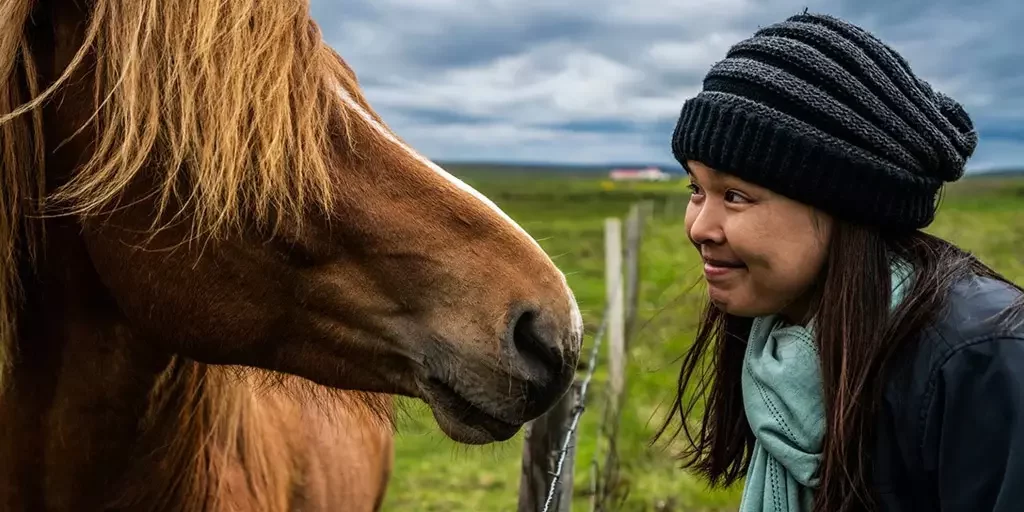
{"x": 787, "y": 158}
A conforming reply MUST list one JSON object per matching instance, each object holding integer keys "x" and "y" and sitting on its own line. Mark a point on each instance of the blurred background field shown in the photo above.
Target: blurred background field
{"x": 565, "y": 210}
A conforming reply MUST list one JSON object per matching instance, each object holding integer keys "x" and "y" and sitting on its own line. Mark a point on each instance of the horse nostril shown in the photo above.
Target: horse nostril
{"x": 536, "y": 349}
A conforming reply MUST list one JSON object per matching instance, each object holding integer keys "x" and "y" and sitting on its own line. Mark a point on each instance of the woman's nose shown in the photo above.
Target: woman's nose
{"x": 704, "y": 224}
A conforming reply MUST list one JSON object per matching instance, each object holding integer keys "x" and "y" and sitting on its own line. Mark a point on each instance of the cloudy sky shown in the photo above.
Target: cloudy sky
{"x": 599, "y": 81}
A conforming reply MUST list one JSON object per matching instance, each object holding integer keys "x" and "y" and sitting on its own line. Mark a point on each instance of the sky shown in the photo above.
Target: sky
{"x": 602, "y": 81}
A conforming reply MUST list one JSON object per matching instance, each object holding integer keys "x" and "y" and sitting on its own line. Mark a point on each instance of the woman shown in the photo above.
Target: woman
{"x": 856, "y": 363}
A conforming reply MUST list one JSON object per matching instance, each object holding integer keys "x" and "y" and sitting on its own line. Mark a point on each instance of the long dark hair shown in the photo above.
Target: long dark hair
{"x": 858, "y": 337}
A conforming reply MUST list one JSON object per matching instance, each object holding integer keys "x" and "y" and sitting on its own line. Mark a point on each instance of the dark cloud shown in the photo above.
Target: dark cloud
{"x": 470, "y": 43}
{"x": 535, "y": 79}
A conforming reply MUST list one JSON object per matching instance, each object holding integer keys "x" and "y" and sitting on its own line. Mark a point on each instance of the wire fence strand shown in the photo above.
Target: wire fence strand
{"x": 580, "y": 405}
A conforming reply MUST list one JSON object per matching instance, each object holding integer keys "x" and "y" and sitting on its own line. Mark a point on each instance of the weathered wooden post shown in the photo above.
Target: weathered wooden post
{"x": 542, "y": 448}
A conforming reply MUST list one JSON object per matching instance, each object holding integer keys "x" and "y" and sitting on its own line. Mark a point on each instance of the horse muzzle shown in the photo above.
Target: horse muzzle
{"x": 478, "y": 400}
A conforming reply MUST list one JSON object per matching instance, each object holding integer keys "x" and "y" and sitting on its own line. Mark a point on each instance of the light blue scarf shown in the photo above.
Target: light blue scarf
{"x": 782, "y": 396}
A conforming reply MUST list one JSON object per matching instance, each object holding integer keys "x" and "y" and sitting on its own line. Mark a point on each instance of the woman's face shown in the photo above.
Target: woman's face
{"x": 762, "y": 251}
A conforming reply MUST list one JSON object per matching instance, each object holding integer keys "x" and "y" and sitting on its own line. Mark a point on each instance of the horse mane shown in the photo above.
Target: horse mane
{"x": 199, "y": 426}
{"x": 230, "y": 107}
{"x": 22, "y": 182}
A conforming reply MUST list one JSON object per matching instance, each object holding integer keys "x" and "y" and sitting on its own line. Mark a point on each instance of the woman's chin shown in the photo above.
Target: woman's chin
{"x": 730, "y": 303}
{"x": 721, "y": 299}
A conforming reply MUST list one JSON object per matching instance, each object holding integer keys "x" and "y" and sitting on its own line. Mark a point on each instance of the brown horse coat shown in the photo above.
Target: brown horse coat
{"x": 217, "y": 265}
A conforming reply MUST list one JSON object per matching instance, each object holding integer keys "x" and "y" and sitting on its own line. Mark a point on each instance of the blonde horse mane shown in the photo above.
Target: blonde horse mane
{"x": 234, "y": 103}
{"x": 210, "y": 417}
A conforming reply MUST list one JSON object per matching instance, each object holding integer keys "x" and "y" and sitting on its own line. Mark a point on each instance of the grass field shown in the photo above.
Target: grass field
{"x": 566, "y": 214}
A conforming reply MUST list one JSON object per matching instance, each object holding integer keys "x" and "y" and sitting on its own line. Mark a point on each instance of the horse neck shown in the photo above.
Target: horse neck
{"x": 96, "y": 417}
{"x": 218, "y": 445}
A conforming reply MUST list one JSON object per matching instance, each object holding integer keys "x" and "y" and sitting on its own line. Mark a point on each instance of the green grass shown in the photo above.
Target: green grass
{"x": 566, "y": 214}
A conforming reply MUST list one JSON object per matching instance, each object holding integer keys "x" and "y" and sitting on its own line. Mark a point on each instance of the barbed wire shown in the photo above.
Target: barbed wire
{"x": 580, "y": 405}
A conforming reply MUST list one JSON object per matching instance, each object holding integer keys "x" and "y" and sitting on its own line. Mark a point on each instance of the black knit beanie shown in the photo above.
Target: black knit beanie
{"x": 823, "y": 112}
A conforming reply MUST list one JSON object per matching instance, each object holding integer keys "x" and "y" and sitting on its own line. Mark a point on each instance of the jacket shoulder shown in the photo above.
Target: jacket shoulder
{"x": 974, "y": 318}
{"x": 957, "y": 409}
{"x": 974, "y": 313}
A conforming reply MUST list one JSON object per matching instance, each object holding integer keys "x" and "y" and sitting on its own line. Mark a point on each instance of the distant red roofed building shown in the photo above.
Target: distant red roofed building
{"x": 641, "y": 174}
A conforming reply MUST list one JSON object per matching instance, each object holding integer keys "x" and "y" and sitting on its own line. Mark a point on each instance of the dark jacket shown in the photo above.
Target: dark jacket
{"x": 951, "y": 431}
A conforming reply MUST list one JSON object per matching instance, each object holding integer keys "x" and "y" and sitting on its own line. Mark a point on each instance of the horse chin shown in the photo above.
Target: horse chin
{"x": 464, "y": 421}
{"x": 474, "y": 434}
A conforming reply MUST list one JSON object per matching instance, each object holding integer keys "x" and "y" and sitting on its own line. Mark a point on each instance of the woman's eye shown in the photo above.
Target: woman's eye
{"x": 694, "y": 189}
{"x": 734, "y": 197}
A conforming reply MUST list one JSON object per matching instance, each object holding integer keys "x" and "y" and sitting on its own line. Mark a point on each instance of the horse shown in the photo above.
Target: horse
{"x": 218, "y": 266}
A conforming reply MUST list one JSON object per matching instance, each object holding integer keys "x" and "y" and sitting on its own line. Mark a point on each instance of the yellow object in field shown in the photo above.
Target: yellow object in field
{"x": 607, "y": 185}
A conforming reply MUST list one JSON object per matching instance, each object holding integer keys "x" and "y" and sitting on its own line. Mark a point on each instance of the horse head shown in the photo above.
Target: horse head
{"x": 241, "y": 203}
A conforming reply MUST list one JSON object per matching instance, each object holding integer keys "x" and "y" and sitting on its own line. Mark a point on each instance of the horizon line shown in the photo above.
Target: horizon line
{"x": 667, "y": 167}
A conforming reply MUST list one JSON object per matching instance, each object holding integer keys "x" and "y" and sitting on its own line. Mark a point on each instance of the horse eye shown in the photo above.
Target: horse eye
{"x": 293, "y": 252}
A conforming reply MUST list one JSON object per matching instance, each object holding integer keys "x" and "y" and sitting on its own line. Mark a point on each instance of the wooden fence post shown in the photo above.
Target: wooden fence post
{"x": 615, "y": 286}
{"x": 542, "y": 447}
{"x": 634, "y": 236}
{"x": 615, "y": 295}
